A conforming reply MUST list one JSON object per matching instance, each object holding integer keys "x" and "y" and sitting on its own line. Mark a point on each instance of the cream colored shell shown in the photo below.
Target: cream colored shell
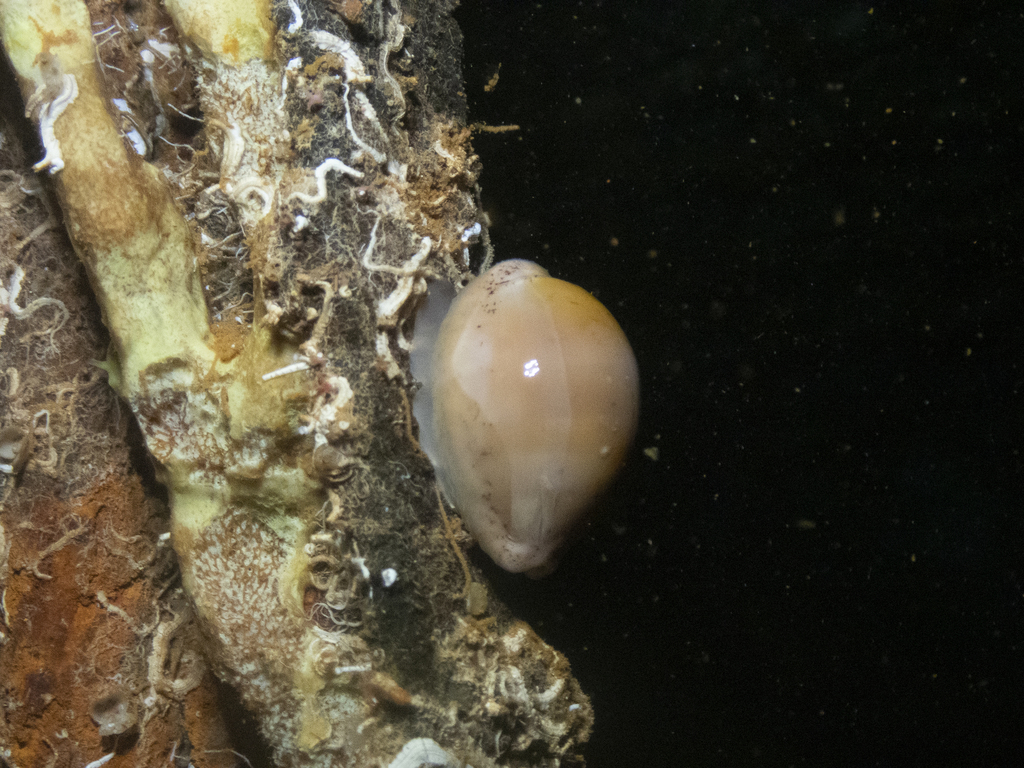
{"x": 535, "y": 400}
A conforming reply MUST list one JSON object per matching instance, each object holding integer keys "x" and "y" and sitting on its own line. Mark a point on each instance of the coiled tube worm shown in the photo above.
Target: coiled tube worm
{"x": 529, "y": 404}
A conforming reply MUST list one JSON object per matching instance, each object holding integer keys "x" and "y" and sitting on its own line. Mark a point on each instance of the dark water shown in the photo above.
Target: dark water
{"x": 808, "y": 218}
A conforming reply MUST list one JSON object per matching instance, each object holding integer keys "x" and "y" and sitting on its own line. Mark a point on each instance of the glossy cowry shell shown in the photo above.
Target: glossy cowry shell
{"x": 535, "y": 400}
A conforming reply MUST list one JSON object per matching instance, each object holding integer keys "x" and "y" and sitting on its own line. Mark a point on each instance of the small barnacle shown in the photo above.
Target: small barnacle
{"x": 331, "y": 464}
{"x": 326, "y": 658}
{"x": 15, "y": 448}
{"x": 321, "y": 568}
{"x": 114, "y": 714}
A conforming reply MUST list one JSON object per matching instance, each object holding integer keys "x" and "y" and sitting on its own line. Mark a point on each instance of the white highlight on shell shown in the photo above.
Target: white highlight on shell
{"x": 530, "y": 400}
{"x": 389, "y": 576}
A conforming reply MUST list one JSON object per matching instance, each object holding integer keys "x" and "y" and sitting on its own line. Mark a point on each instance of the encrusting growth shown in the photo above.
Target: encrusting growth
{"x": 258, "y": 193}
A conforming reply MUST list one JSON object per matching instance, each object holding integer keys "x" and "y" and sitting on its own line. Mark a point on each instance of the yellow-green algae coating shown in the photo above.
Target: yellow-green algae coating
{"x": 126, "y": 230}
{"x": 231, "y": 31}
{"x": 142, "y": 259}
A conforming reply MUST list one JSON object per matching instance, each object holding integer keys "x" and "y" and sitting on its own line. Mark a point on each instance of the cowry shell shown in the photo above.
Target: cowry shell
{"x": 530, "y": 402}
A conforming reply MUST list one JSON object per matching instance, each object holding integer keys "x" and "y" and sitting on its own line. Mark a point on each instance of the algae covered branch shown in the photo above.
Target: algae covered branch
{"x": 251, "y": 197}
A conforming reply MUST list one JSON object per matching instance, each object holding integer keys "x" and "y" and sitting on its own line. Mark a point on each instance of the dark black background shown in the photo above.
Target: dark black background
{"x": 806, "y": 215}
